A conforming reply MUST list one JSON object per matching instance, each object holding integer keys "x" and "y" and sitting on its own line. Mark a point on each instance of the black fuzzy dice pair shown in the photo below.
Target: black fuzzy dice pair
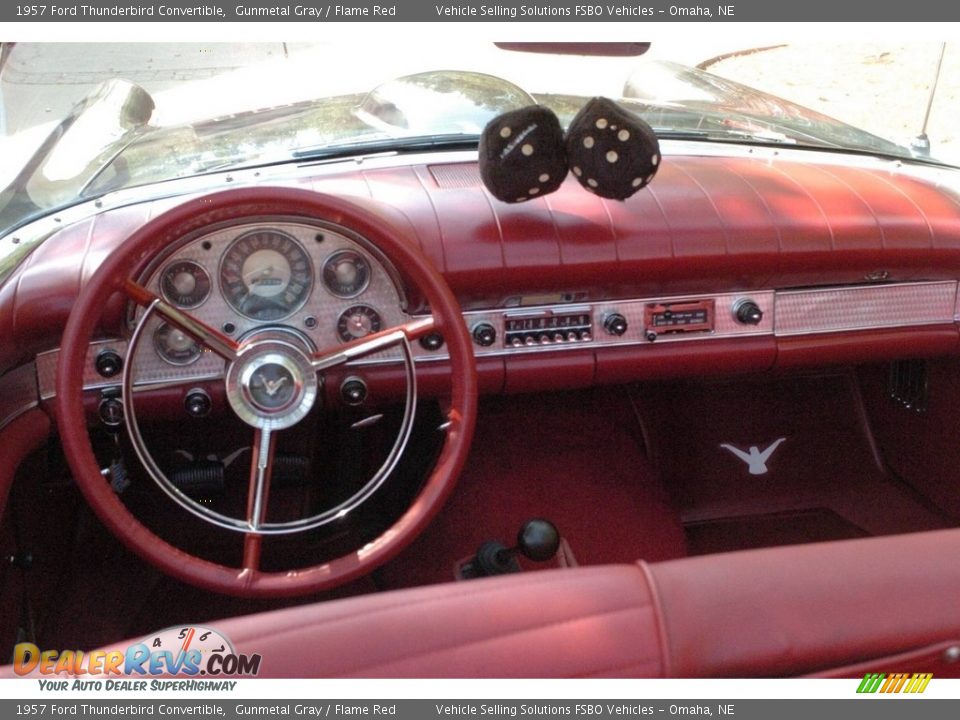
{"x": 524, "y": 154}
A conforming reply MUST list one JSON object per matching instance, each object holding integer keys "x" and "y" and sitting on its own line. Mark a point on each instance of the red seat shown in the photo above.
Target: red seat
{"x": 831, "y": 609}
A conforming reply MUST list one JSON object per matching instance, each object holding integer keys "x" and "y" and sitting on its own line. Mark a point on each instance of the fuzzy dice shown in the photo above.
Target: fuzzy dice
{"x": 612, "y": 152}
{"x": 522, "y": 154}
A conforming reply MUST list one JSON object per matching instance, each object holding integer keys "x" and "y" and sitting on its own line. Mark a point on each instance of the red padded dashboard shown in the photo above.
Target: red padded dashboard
{"x": 709, "y": 223}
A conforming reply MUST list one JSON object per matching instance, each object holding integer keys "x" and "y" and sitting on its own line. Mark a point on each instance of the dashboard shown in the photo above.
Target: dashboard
{"x": 735, "y": 260}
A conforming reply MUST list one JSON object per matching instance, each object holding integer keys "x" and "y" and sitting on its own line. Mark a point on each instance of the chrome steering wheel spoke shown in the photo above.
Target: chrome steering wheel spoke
{"x": 258, "y": 493}
{"x": 201, "y": 332}
{"x": 413, "y": 330}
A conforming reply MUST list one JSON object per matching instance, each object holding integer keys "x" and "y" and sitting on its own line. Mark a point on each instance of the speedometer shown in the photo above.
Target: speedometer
{"x": 266, "y": 275}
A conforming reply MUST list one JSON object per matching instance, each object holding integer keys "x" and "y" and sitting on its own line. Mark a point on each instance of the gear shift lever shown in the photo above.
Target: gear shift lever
{"x": 537, "y": 540}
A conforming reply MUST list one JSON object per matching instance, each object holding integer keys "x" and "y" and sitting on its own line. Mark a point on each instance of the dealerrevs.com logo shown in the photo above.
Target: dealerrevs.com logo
{"x": 177, "y": 651}
{"x": 910, "y": 683}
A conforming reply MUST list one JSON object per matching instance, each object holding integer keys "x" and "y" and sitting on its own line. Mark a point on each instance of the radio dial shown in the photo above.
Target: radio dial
{"x": 748, "y": 312}
{"x": 615, "y": 324}
{"x": 484, "y": 334}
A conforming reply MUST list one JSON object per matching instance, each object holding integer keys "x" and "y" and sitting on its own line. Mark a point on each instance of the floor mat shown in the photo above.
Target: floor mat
{"x": 759, "y": 531}
{"x": 575, "y": 459}
{"x": 775, "y": 448}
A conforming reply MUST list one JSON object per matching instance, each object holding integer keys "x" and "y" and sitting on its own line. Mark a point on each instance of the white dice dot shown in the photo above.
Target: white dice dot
{"x": 623, "y": 135}
{"x": 505, "y": 132}
{"x": 588, "y": 142}
{"x": 612, "y": 156}
{"x": 654, "y": 159}
{"x": 637, "y": 182}
{"x": 533, "y": 191}
{"x": 592, "y": 183}
{"x": 601, "y": 123}
{"x": 527, "y": 149}
{"x": 577, "y": 171}
{"x": 543, "y": 177}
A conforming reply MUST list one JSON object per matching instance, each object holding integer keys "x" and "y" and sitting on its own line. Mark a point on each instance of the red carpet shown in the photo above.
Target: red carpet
{"x": 575, "y": 459}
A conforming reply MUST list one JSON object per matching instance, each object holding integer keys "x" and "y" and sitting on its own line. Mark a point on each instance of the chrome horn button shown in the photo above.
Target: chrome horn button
{"x": 271, "y": 382}
{"x": 271, "y": 385}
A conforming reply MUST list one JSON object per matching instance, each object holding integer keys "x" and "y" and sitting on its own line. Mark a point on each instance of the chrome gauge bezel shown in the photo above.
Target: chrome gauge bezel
{"x": 331, "y": 258}
{"x": 175, "y": 301}
{"x": 291, "y": 241}
{"x": 161, "y": 352}
{"x": 348, "y": 310}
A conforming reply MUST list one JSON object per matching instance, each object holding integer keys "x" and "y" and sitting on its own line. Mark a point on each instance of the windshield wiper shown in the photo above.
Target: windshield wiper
{"x": 460, "y": 141}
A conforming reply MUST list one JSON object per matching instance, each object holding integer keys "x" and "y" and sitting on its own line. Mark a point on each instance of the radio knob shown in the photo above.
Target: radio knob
{"x": 747, "y": 312}
{"x": 484, "y": 334}
{"x": 615, "y": 324}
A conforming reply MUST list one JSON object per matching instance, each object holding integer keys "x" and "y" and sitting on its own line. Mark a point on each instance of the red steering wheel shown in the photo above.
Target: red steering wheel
{"x": 396, "y": 240}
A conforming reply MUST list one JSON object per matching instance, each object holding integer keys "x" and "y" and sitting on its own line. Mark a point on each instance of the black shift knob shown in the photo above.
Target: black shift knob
{"x": 538, "y": 540}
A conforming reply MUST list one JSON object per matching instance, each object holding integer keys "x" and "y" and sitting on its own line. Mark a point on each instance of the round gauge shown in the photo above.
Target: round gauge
{"x": 175, "y": 346}
{"x": 266, "y": 275}
{"x": 346, "y": 273}
{"x": 357, "y": 322}
{"x": 185, "y": 283}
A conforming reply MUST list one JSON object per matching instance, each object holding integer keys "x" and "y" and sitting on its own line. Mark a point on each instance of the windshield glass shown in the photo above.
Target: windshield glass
{"x": 81, "y": 120}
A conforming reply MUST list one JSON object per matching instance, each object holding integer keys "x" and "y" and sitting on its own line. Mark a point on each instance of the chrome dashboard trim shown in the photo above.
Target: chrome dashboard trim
{"x": 787, "y": 313}
{"x": 864, "y": 307}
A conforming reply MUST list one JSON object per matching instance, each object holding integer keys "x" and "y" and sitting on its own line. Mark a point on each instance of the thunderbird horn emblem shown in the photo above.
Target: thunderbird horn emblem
{"x": 271, "y": 386}
{"x": 755, "y": 459}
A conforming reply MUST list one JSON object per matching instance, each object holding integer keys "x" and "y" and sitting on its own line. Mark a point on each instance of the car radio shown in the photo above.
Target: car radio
{"x": 548, "y": 327}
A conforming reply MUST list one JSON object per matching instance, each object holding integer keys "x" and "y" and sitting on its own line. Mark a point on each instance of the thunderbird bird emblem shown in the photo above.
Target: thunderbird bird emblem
{"x": 755, "y": 459}
{"x": 271, "y": 386}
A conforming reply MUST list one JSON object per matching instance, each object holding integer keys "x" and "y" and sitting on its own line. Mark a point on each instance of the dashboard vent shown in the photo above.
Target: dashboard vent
{"x": 456, "y": 176}
{"x": 908, "y": 384}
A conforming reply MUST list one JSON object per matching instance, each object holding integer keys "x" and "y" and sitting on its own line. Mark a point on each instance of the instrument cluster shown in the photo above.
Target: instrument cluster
{"x": 316, "y": 280}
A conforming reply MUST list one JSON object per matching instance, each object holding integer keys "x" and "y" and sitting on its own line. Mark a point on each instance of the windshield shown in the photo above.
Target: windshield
{"x": 82, "y": 120}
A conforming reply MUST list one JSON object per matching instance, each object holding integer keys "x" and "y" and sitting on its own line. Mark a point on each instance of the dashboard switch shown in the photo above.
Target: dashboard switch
{"x": 353, "y": 391}
{"x": 747, "y": 312}
{"x": 111, "y": 411}
{"x": 108, "y": 363}
{"x": 615, "y": 324}
{"x": 484, "y": 334}
{"x": 197, "y": 403}
{"x": 431, "y": 342}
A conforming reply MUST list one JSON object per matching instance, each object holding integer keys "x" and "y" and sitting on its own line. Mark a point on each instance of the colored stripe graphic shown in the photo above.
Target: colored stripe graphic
{"x": 894, "y": 683}
{"x": 919, "y": 682}
{"x": 870, "y": 682}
